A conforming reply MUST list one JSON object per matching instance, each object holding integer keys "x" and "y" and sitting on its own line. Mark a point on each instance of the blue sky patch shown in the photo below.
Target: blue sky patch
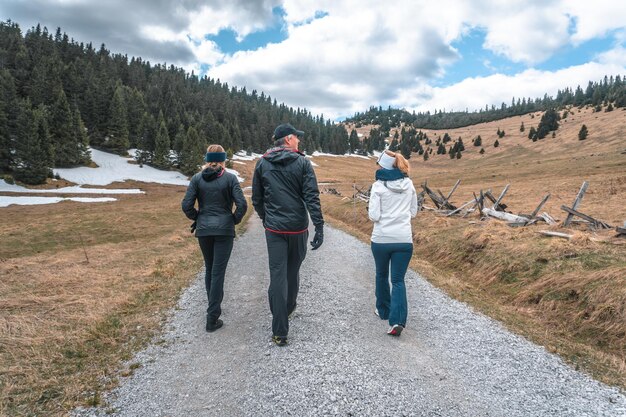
{"x": 226, "y": 39}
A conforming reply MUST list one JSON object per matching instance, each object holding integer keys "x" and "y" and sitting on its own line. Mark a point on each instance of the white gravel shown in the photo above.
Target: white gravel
{"x": 450, "y": 361}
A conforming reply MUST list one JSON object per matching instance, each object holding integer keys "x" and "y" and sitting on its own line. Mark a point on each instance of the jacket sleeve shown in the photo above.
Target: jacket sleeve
{"x": 311, "y": 194}
{"x": 240, "y": 201}
{"x": 189, "y": 200}
{"x": 413, "y": 201}
{"x": 373, "y": 210}
{"x": 257, "y": 191}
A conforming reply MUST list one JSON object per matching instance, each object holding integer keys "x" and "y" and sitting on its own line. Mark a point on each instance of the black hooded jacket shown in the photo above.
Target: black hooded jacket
{"x": 284, "y": 187}
{"x": 215, "y": 190}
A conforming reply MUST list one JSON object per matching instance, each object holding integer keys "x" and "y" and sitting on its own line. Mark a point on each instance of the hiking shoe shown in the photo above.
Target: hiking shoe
{"x": 395, "y": 330}
{"x": 378, "y": 314}
{"x": 279, "y": 340}
{"x": 213, "y": 326}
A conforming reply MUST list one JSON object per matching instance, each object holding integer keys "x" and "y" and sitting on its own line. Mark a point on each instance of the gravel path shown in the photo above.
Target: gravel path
{"x": 450, "y": 361}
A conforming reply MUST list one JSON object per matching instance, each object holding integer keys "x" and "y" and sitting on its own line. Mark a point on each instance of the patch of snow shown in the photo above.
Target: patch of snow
{"x": 30, "y": 201}
{"x": 314, "y": 164}
{"x": 243, "y": 156}
{"x": 77, "y": 189}
{"x": 112, "y": 168}
{"x": 235, "y": 173}
{"x": 239, "y": 162}
{"x": 316, "y": 153}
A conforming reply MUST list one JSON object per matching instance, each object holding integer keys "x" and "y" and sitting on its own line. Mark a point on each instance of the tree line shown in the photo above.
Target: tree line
{"x": 609, "y": 90}
{"x": 58, "y": 97}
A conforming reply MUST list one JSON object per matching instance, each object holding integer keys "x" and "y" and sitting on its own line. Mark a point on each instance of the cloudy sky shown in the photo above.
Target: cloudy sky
{"x": 339, "y": 57}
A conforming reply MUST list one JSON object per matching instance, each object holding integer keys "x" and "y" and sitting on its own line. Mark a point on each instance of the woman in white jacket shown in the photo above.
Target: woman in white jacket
{"x": 392, "y": 204}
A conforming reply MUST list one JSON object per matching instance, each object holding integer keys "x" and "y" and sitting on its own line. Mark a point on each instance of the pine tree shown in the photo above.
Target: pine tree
{"x": 582, "y": 133}
{"x": 66, "y": 150}
{"x": 496, "y": 144}
{"x": 532, "y": 134}
{"x": 117, "y": 130}
{"x": 161, "y": 157}
{"x": 405, "y": 149}
{"x": 549, "y": 122}
{"x": 146, "y": 144}
{"x": 482, "y": 151}
{"x": 8, "y": 118}
{"x": 522, "y": 128}
{"x": 478, "y": 141}
{"x": 425, "y": 156}
{"x": 33, "y": 152}
{"x": 458, "y": 155}
{"x": 354, "y": 141}
{"x": 192, "y": 153}
{"x": 80, "y": 137}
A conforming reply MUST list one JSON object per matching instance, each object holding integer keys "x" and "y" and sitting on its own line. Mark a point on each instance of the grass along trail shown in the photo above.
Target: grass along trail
{"x": 449, "y": 361}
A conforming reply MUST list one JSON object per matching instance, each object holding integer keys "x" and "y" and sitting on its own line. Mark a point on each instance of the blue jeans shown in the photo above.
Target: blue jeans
{"x": 391, "y": 303}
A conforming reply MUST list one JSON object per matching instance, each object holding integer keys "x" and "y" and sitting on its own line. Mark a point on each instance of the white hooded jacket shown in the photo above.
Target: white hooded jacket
{"x": 392, "y": 205}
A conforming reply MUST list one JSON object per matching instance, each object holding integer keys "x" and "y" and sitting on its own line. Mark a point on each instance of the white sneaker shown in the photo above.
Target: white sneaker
{"x": 395, "y": 330}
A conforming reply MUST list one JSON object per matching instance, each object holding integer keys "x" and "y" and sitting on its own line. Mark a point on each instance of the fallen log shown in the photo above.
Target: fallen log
{"x": 555, "y": 234}
{"x": 511, "y": 218}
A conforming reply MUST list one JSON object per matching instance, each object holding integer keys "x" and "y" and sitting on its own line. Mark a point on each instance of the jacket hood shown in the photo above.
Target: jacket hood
{"x": 389, "y": 174}
{"x": 394, "y": 180}
{"x": 282, "y": 155}
{"x": 209, "y": 174}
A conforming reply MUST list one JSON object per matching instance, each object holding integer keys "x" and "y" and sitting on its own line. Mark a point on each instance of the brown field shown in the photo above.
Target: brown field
{"x": 83, "y": 286}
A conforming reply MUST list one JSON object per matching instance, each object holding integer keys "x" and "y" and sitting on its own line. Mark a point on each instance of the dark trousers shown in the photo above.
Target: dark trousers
{"x": 216, "y": 252}
{"x": 391, "y": 303}
{"x": 286, "y": 253}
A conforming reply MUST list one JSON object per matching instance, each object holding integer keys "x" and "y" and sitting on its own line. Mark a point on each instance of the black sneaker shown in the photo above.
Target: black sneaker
{"x": 213, "y": 326}
{"x": 279, "y": 340}
{"x": 395, "y": 330}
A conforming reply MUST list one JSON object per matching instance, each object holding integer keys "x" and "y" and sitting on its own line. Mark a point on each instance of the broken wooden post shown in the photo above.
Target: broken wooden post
{"x": 594, "y": 222}
{"x": 621, "y": 231}
{"x": 500, "y": 206}
{"x": 534, "y": 213}
{"x": 579, "y": 198}
{"x": 497, "y": 203}
{"x": 511, "y": 218}
{"x": 555, "y": 234}
{"x": 453, "y": 189}
{"x": 462, "y": 207}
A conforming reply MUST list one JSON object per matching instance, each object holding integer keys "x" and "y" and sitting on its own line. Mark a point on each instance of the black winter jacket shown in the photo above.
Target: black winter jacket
{"x": 215, "y": 191}
{"x": 283, "y": 188}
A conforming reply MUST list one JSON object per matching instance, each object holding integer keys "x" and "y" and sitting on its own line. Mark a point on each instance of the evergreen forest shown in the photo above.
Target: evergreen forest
{"x": 58, "y": 97}
{"x": 611, "y": 91}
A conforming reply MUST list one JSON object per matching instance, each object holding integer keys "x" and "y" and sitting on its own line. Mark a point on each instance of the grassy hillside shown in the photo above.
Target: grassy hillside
{"x": 569, "y": 296}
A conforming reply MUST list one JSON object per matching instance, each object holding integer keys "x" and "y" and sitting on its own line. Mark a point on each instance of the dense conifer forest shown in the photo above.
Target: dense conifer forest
{"x": 58, "y": 97}
{"x": 610, "y": 91}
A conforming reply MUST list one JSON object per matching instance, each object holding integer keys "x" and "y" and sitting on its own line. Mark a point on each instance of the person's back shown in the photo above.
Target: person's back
{"x": 392, "y": 209}
{"x": 284, "y": 193}
{"x": 286, "y": 187}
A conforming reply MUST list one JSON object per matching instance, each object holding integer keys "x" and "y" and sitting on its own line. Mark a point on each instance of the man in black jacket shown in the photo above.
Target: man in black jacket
{"x": 284, "y": 187}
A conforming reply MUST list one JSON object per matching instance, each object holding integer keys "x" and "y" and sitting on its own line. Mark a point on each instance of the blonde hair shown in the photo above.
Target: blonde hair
{"x": 401, "y": 163}
{"x": 214, "y": 165}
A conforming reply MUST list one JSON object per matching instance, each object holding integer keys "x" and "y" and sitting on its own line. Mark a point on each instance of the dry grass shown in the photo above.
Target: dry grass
{"x": 83, "y": 286}
{"x": 569, "y": 296}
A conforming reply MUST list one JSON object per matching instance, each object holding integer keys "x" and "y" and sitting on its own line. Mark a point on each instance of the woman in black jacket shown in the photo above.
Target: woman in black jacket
{"x": 214, "y": 224}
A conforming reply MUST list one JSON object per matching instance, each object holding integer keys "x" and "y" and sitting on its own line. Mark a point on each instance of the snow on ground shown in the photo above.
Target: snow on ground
{"x": 29, "y": 201}
{"x": 112, "y": 168}
{"x": 77, "y": 189}
{"x": 316, "y": 153}
{"x": 243, "y": 156}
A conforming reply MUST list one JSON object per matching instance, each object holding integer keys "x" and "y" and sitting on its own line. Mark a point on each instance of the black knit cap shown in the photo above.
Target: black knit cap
{"x": 285, "y": 130}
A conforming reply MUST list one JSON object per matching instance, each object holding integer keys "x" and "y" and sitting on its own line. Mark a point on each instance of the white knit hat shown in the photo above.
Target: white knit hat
{"x": 386, "y": 161}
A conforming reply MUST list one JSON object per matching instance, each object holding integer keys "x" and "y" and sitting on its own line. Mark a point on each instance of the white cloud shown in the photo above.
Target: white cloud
{"x": 475, "y": 93}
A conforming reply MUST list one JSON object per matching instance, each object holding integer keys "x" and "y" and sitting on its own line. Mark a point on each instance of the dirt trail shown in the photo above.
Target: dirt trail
{"x": 450, "y": 361}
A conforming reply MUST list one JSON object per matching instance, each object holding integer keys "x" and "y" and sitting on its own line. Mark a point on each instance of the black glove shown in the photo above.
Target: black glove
{"x": 192, "y": 228}
{"x": 318, "y": 239}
